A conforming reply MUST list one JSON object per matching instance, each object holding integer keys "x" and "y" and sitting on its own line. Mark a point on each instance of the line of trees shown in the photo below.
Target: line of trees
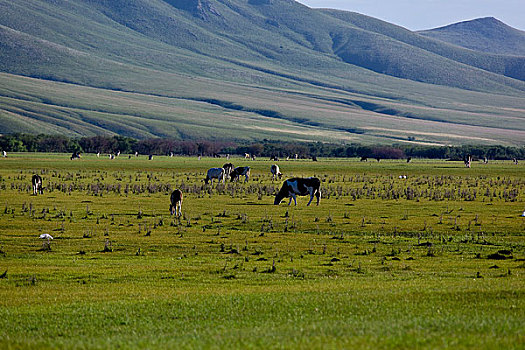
{"x": 265, "y": 148}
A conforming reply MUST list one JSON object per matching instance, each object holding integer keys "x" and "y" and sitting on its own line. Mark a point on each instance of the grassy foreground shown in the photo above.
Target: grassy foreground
{"x": 436, "y": 260}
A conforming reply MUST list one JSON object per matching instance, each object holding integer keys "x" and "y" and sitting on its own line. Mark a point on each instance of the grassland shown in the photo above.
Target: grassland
{"x": 435, "y": 260}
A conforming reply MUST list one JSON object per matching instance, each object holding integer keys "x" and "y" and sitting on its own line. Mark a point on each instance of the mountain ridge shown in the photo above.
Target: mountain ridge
{"x": 486, "y": 34}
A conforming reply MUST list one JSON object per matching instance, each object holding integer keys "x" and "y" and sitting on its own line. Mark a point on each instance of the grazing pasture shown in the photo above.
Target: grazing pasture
{"x": 433, "y": 260}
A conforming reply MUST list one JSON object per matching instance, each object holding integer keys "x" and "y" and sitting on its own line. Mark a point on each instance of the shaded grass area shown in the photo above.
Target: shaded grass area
{"x": 353, "y": 313}
{"x": 362, "y": 270}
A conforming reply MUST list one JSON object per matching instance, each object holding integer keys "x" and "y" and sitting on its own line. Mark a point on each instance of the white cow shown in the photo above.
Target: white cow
{"x": 214, "y": 173}
{"x": 275, "y": 171}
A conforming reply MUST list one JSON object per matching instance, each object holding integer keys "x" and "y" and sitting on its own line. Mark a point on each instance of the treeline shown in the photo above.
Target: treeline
{"x": 266, "y": 148}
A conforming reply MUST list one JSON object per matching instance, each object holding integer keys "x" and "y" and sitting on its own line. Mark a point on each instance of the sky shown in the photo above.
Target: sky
{"x": 428, "y": 14}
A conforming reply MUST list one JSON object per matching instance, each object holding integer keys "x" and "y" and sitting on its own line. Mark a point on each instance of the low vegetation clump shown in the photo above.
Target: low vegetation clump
{"x": 431, "y": 258}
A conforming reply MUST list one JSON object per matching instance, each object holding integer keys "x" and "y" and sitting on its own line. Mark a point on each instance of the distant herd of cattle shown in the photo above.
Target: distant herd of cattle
{"x": 290, "y": 189}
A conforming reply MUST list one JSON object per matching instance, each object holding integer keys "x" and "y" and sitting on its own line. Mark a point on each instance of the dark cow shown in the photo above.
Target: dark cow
{"x": 239, "y": 171}
{"x": 36, "y": 180}
{"x": 299, "y": 187}
{"x": 176, "y": 203}
{"x": 364, "y": 159}
{"x": 75, "y": 155}
{"x": 228, "y": 168}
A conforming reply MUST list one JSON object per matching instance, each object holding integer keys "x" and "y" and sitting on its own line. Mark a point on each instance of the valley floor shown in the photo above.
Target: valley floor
{"x": 433, "y": 260}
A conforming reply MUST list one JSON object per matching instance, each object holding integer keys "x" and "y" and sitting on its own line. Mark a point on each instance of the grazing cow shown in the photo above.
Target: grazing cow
{"x": 214, "y": 173}
{"x": 246, "y": 155}
{"x": 314, "y": 158}
{"x": 228, "y": 168}
{"x": 36, "y": 180}
{"x": 409, "y": 159}
{"x": 299, "y": 187}
{"x": 364, "y": 159}
{"x": 4, "y": 154}
{"x": 176, "y": 203}
{"x": 75, "y": 155}
{"x": 242, "y": 170}
{"x": 275, "y": 171}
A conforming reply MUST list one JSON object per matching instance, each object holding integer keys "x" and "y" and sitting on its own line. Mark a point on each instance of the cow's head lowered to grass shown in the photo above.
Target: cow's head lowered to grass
{"x": 299, "y": 187}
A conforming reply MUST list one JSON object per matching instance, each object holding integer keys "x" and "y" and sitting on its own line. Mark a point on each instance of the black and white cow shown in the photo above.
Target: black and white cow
{"x": 467, "y": 160}
{"x": 36, "y": 180}
{"x": 75, "y": 155}
{"x": 176, "y": 203}
{"x": 240, "y": 171}
{"x": 275, "y": 171}
{"x": 214, "y": 173}
{"x": 228, "y": 168}
{"x": 299, "y": 187}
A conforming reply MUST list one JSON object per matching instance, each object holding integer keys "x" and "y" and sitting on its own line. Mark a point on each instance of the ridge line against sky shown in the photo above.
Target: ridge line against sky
{"x": 429, "y": 14}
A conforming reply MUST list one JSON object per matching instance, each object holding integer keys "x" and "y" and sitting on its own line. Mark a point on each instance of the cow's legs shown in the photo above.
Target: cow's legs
{"x": 311, "y": 197}
{"x": 312, "y": 191}
{"x": 179, "y": 208}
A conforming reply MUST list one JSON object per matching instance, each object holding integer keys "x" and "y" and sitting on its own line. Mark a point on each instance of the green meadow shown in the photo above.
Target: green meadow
{"x": 433, "y": 260}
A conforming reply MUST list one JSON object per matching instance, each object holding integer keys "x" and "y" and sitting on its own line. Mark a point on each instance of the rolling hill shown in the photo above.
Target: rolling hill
{"x": 247, "y": 69}
{"x": 482, "y": 34}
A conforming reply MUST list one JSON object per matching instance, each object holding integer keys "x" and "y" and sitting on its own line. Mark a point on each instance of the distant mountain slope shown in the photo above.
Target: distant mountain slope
{"x": 397, "y": 51}
{"x": 275, "y": 35}
{"x": 483, "y": 34}
{"x": 251, "y": 61}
